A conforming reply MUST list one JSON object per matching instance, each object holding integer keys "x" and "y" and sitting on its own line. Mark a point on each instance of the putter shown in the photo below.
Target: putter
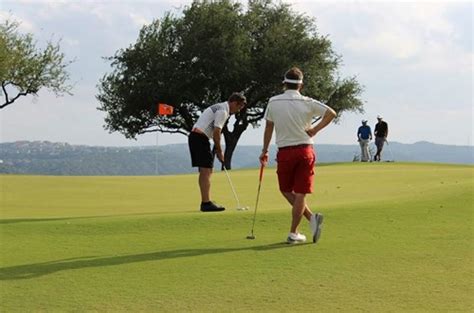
{"x": 390, "y": 150}
{"x": 239, "y": 207}
{"x": 252, "y": 236}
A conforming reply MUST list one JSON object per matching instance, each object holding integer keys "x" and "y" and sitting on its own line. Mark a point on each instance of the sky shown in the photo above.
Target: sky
{"x": 414, "y": 59}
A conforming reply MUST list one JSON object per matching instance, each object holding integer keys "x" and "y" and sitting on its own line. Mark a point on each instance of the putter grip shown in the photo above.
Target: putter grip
{"x": 261, "y": 172}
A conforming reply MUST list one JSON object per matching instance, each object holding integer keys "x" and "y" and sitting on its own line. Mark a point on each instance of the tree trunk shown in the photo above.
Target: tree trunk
{"x": 230, "y": 145}
{"x": 231, "y": 140}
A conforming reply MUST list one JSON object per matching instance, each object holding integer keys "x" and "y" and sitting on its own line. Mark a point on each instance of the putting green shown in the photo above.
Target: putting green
{"x": 397, "y": 237}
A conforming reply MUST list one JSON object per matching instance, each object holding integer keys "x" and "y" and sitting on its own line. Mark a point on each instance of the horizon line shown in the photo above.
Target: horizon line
{"x": 241, "y": 145}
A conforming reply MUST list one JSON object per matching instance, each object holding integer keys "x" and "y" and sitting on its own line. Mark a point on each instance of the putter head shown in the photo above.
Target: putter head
{"x": 243, "y": 208}
{"x": 251, "y": 237}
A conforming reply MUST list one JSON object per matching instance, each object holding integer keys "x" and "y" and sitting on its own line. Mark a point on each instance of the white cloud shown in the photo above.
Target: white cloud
{"x": 25, "y": 26}
{"x": 403, "y": 30}
{"x": 139, "y": 20}
{"x": 418, "y": 35}
{"x": 71, "y": 42}
{"x": 412, "y": 57}
{"x": 444, "y": 59}
{"x": 387, "y": 43}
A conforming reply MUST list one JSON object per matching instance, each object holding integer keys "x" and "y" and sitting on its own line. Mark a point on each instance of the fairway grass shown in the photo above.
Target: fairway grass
{"x": 397, "y": 238}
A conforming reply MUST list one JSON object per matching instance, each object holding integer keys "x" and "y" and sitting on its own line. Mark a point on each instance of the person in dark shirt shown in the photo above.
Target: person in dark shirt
{"x": 381, "y": 134}
{"x": 364, "y": 136}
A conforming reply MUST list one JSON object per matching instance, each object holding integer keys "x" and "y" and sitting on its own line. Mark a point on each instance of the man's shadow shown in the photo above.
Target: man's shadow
{"x": 39, "y": 269}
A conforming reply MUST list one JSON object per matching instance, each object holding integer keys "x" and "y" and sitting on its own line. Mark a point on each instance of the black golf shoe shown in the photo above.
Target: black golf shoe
{"x": 211, "y": 207}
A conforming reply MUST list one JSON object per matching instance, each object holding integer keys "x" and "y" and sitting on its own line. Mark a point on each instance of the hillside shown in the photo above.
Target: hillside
{"x": 48, "y": 158}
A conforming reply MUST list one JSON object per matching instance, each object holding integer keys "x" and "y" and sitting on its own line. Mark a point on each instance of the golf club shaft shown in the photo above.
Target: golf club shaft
{"x": 390, "y": 150}
{"x": 231, "y": 186}
{"x": 258, "y": 196}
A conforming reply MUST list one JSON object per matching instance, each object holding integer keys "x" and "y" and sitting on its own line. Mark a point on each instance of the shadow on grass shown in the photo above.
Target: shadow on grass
{"x": 30, "y": 220}
{"x": 59, "y": 219}
{"x": 40, "y": 269}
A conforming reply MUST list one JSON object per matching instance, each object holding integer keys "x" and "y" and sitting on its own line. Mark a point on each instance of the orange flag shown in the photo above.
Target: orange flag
{"x": 164, "y": 109}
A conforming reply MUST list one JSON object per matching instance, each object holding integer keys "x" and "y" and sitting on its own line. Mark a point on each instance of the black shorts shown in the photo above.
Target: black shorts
{"x": 200, "y": 150}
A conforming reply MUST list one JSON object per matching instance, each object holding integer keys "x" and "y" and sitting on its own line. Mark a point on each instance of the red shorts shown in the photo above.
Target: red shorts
{"x": 296, "y": 169}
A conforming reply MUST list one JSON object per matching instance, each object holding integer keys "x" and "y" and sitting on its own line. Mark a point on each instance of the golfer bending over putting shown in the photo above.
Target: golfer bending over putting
{"x": 209, "y": 126}
{"x": 290, "y": 114}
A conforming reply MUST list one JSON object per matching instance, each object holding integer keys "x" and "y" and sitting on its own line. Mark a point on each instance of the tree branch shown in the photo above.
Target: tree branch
{"x": 164, "y": 131}
{"x": 7, "y": 101}
{"x": 5, "y": 91}
{"x": 256, "y": 118}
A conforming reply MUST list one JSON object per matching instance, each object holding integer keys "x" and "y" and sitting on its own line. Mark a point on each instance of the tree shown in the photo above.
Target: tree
{"x": 211, "y": 50}
{"x": 24, "y": 69}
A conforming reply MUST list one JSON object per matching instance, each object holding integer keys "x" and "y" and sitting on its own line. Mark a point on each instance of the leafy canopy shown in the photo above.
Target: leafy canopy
{"x": 214, "y": 48}
{"x": 25, "y": 69}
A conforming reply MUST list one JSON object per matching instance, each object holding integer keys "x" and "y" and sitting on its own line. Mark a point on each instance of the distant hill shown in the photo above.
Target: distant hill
{"x": 48, "y": 158}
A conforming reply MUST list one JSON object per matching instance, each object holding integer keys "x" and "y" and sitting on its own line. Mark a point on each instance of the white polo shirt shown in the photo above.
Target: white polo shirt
{"x": 213, "y": 116}
{"x": 292, "y": 114}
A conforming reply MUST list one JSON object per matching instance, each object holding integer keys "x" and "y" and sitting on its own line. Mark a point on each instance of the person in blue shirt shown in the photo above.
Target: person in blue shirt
{"x": 364, "y": 136}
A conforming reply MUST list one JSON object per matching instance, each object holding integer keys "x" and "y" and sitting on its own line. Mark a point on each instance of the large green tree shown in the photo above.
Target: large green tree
{"x": 199, "y": 58}
{"x": 25, "y": 69}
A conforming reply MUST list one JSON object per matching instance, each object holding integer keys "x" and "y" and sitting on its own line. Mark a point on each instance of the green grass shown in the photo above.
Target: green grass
{"x": 397, "y": 238}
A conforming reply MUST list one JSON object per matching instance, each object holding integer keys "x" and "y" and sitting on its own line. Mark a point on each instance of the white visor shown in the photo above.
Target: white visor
{"x": 293, "y": 81}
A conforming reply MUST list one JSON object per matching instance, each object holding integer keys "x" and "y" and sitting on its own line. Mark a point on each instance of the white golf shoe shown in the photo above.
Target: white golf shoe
{"x": 295, "y": 238}
{"x": 315, "y": 225}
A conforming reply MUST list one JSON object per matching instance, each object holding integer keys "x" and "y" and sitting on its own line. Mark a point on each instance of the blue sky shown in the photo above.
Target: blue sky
{"x": 414, "y": 59}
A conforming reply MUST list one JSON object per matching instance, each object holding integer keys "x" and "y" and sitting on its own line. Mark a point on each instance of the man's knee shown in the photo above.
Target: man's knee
{"x": 204, "y": 171}
{"x": 290, "y": 196}
{"x": 299, "y": 195}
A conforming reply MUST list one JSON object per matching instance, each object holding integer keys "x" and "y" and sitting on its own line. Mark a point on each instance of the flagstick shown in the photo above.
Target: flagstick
{"x": 156, "y": 160}
{"x": 165, "y": 110}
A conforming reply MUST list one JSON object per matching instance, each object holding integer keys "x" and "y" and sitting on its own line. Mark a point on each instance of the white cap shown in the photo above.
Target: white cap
{"x": 379, "y": 116}
{"x": 364, "y": 121}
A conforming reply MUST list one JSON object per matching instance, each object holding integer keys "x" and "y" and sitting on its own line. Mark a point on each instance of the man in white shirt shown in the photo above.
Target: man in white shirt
{"x": 291, "y": 114}
{"x": 209, "y": 126}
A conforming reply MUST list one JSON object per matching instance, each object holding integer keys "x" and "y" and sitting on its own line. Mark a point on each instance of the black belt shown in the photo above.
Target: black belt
{"x": 199, "y": 134}
{"x": 295, "y": 147}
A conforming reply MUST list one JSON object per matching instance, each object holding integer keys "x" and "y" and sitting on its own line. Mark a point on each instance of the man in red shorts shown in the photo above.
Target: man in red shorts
{"x": 290, "y": 114}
